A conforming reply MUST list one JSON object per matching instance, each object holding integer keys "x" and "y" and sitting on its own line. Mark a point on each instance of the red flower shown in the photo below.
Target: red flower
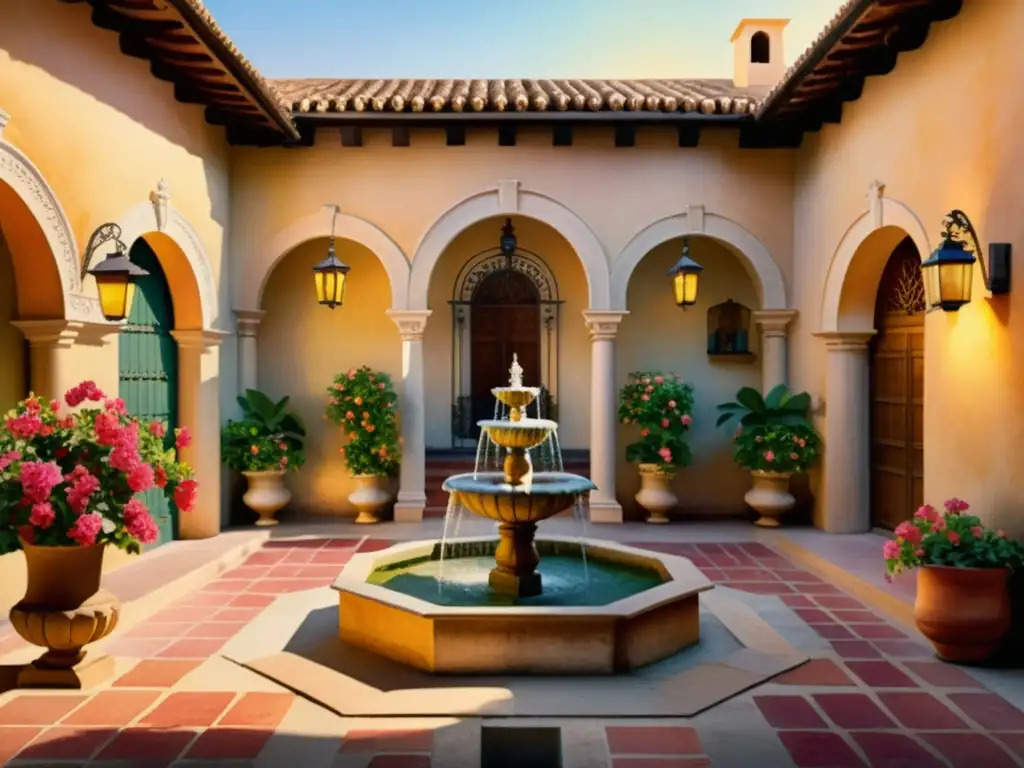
{"x": 184, "y": 437}
{"x": 157, "y": 428}
{"x": 86, "y": 529}
{"x": 185, "y": 495}
{"x": 160, "y": 479}
{"x": 141, "y": 478}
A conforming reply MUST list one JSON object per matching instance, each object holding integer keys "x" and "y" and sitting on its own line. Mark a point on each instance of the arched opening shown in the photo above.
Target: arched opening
{"x": 897, "y": 389}
{"x": 760, "y": 48}
{"x": 148, "y": 367}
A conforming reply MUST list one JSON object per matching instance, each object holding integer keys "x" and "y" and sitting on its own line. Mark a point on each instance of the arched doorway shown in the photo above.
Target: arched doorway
{"x": 504, "y": 320}
{"x": 148, "y": 368}
{"x": 897, "y": 390}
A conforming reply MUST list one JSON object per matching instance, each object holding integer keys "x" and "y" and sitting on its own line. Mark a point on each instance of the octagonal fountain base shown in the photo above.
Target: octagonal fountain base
{"x": 654, "y": 621}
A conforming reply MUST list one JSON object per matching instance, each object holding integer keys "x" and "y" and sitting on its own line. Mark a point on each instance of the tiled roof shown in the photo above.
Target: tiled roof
{"x": 708, "y": 97}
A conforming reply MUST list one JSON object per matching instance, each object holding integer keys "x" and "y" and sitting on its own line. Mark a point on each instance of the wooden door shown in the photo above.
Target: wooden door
{"x": 897, "y": 392}
{"x": 148, "y": 370}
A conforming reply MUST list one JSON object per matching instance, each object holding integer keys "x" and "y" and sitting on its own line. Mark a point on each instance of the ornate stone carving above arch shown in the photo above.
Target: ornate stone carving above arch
{"x": 484, "y": 264}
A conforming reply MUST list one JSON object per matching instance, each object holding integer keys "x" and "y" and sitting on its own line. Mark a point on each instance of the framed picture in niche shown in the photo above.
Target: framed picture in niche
{"x": 729, "y": 330}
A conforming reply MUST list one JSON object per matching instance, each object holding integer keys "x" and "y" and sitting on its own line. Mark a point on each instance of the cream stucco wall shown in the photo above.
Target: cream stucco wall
{"x": 12, "y": 343}
{"x": 940, "y": 132}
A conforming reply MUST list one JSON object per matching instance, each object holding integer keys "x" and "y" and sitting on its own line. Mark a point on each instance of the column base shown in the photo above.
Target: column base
{"x": 409, "y": 507}
{"x": 605, "y": 512}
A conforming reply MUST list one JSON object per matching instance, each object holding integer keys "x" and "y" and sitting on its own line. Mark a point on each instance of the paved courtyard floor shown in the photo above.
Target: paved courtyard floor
{"x": 871, "y": 695}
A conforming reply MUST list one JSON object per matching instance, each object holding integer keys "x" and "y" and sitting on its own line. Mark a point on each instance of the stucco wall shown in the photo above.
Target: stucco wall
{"x": 941, "y": 131}
{"x": 12, "y": 343}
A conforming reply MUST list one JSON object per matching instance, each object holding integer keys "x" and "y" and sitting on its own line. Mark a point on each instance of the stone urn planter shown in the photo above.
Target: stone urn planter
{"x": 63, "y": 611}
{"x": 964, "y": 612}
{"x": 655, "y": 494}
{"x": 770, "y": 497}
{"x": 266, "y": 495}
{"x": 370, "y": 497}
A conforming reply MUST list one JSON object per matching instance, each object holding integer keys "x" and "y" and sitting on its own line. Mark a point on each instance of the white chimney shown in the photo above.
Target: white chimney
{"x": 758, "y": 52}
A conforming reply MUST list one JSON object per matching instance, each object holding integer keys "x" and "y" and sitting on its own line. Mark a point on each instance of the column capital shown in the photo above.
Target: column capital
{"x": 43, "y": 333}
{"x": 247, "y": 321}
{"x": 603, "y": 323}
{"x": 201, "y": 339}
{"x": 773, "y": 322}
{"x": 411, "y": 323}
{"x": 846, "y": 340}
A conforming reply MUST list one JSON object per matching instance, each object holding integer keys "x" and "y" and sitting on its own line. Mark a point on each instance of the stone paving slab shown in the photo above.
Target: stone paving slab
{"x": 872, "y": 695}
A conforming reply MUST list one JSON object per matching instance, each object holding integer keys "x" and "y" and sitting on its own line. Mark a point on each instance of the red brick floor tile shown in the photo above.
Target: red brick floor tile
{"x": 942, "y": 675}
{"x": 332, "y": 557}
{"x": 969, "y": 750}
{"x": 713, "y": 574}
{"x": 921, "y": 711}
{"x": 320, "y": 572}
{"x": 142, "y": 648}
{"x": 814, "y": 616}
{"x": 707, "y": 547}
{"x": 13, "y": 740}
{"x": 903, "y": 649}
{"x": 388, "y": 741}
{"x": 248, "y": 572}
{"x": 776, "y": 563}
{"x": 815, "y": 749}
{"x": 156, "y": 673}
{"x": 1013, "y": 741}
{"x": 894, "y": 750}
{"x": 881, "y": 674}
{"x": 838, "y": 601}
{"x": 653, "y": 740}
{"x": 208, "y": 600}
{"x": 817, "y": 588}
{"x": 284, "y": 571}
{"x": 236, "y": 614}
{"x": 992, "y": 712}
{"x": 756, "y": 549}
{"x": 216, "y": 629}
{"x": 146, "y": 743}
{"x": 192, "y": 649}
{"x": 265, "y": 557}
{"x": 852, "y": 710}
{"x": 400, "y": 761}
{"x": 152, "y": 629}
{"x": 229, "y": 744}
{"x": 877, "y": 632}
{"x": 349, "y": 544}
{"x": 789, "y": 712}
{"x": 699, "y": 761}
{"x": 856, "y": 617}
{"x": 284, "y": 586}
{"x": 299, "y": 556}
{"x": 748, "y": 574}
{"x": 185, "y": 709}
{"x": 38, "y": 709}
{"x": 816, "y": 672}
{"x": 801, "y": 577}
{"x": 700, "y": 562}
{"x": 797, "y": 601}
{"x": 261, "y": 710}
{"x": 228, "y": 585}
{"x": 249, "y": 600}
{"x": 181, "y": 615}
{"x": 832, "y": 631}
{"x": 855, "y": 649}
{"x": 114, "y": 707}
{"x": 67, "y": 744}
{"x": 760, "y": 587}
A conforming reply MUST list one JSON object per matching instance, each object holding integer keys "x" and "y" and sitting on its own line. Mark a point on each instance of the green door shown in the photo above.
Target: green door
{"x": 148, "y": 369}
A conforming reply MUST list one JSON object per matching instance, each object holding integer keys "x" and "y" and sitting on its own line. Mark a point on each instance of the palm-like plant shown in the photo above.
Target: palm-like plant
{"x": 778, "y": 408}
{"x": 270, "y": 418}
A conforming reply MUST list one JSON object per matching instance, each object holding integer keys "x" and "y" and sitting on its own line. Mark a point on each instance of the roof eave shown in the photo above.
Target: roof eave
{"x": 537, "y": 118}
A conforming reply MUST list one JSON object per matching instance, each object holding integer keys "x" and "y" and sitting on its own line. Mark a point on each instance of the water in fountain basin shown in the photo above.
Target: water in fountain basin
{"x": 450, "y": 513}
{"x": 580, "y": 515}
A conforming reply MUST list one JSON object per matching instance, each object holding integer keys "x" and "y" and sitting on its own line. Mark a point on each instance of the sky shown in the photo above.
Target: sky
{"x": 504, "y": 38}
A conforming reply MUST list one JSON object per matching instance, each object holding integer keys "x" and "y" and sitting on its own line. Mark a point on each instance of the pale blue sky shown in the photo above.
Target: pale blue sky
{"x": 504, "y": 38}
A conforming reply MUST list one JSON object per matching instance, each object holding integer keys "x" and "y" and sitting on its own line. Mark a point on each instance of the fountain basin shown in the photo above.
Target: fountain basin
{"x": 544, "y": 495}
{"x": 546, "y": 637}
{"x": 522, "y": 434}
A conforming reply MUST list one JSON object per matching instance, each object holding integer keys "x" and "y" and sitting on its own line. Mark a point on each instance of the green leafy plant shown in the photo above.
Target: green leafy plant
{"x": 268, "y": 436}
{"x": 949, "y": 538}
{"x": 363, "y": 403}
{"x": 660, "y": 404}
{"x": 774, "y": 434}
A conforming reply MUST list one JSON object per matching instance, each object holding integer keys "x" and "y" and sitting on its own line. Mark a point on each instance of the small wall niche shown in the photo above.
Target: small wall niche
{"x": 729, "y": 332}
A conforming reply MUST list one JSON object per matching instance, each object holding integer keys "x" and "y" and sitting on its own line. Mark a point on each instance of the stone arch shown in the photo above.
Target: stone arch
{"x": 483, "y": 264}
{"x": 851, "y": 285}
{"x": 752, "y": 253}
{"x": 182, "y": 257}
{"x": 347, "y": 227}
{"x": 493, "y": 203}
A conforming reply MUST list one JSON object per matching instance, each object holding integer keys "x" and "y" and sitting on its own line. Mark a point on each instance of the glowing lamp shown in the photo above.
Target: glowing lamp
{"x": 685, "y": 278}
{"x": 948, "y": 272}
{"x": 331, "y": 274}
{"x": 115, "y": 276}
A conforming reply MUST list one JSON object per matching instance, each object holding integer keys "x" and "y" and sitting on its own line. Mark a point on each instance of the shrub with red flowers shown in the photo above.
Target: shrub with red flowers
{"x": 70, "y": 479}
{"x": 363, "y": 403}
{"x": 774, "y": 434}
{"x": 660, "y": 404}
{"x": 949, "y": 537}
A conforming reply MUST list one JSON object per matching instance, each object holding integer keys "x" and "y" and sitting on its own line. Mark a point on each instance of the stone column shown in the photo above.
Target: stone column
{"x": 604, "y": 418}
{"x": 199, "y": 411}
{"x": 846, "y": 496}
{"x": 412, "y": 496}
{"x": 773, "y": 323}
{"x": 59, "y": 360}
{"x": 247, "y": 323}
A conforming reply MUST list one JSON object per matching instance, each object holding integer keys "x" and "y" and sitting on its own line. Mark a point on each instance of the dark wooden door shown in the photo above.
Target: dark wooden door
{"x": 504, "y": 320}
{"x": 897, "y": 391}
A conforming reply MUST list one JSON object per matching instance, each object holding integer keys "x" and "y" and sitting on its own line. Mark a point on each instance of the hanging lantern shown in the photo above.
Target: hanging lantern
{"x": 331, "y": 274}
{"x": 508, "y": 241}
{"x": 115, "y": 276}
{"x": 685, "y": 278}
{"x": 947, "y": 275}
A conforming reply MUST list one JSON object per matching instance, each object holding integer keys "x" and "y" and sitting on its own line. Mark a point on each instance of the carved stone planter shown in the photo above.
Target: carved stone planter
{"x": 655, "y": 494}
{"x": 266, "y": 495}
{"x": 370, "y": 497}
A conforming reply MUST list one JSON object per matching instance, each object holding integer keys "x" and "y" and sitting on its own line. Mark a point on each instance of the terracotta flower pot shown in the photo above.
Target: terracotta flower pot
{"x": 964, "y": 612}
{"x": 655, "y": 494}
{"x": 370, "y": 497}
{"x": 266, "y": 494}
{"x": 770, "y": 497}
{"x": 64, "y": 610}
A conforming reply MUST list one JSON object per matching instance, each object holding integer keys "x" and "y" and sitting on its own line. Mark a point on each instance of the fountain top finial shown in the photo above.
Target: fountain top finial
{"x": 516, "y": 372}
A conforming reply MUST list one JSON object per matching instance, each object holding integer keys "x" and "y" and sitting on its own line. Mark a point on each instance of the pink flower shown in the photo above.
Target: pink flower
{"x": 955, "y": 506}
{"x": 141, "y": 478}
{"x": 644, "y": 432}
{"x": 909, "y": 532}
{"x": 665, "y": 454}
{"x": 157, "y": 428}
{"x": 139, "y": 523}
{"x": 890, "y": 550}
{"x": 953, "y": 537}
{"x": 87, "y": 390}
{"x": 939, "y": 525}
{"x": 38, "y": 479}
{"x": 25, "y": 426}
{"x": 125, "y": 457}
{"x": 645, "y": 397}
{"x": 671, "y": 403}
{"x": 185, "y": 495}
{"x": 919, "y": 552}
{"x": 116, "y": 405}
{"x": 664, "y": 423}
{"x": 650, "y": 387}
{"x": 769, "y": 456}
{"x": 42, "y": 515}
{"x": 184, "y": 437}
{"x": 380, "y": 385}
{"x": 686, "y": 419}
{"x": 108, "y": 429}
{"x": 927, "y": 512}
{"x": 793, "y": 457}
{"x": 1001, "y": 533}
{"x": 659, "y": 379}
{"x": 86, "y": 529}
{"x": 55, "y": 405}
{"x": 9, "y": 458}
{"x": 81, "y": 486}
{"x": 977, "y": 532}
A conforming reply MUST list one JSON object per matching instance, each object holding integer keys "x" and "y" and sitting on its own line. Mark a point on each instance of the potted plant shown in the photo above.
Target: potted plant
{"x": 962, "y": 604}
{"x": 69, "y": 485}
{"x": 362, "y": 402}
{"x": 774, "y": 440}
{"x": 264, "y": 445}
{"x": 660, "y": 404}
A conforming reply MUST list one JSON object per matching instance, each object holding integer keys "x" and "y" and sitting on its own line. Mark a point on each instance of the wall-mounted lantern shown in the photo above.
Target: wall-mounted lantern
{"x": 331, "y": 274}
{"x": 685, "y": 278}
{"x": 115, "y": 276}
{"x": 949, "y": 270}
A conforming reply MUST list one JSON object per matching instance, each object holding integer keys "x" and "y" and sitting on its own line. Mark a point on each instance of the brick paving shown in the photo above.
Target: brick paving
{"x": 875, "y": 696}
